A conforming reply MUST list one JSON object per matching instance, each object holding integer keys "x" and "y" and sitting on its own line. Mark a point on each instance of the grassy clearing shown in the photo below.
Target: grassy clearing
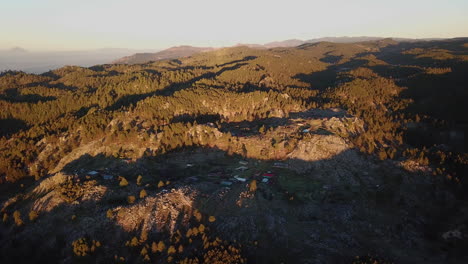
{"x": 300, "y": 186}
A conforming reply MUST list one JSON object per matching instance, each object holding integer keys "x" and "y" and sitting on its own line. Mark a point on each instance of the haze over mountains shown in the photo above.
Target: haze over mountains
{"x": 170, "y": 53}
{"x": 21, "y": 59}
{"x": 185, "y": 51}
{"x": 18, "y": 58}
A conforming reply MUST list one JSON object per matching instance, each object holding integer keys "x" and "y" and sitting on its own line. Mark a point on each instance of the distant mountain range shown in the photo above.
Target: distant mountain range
{"x": 170, "y": 53}
{"x": 18, "y": 58}
{"x": 185, "y": 51}
{"x": 298, "y": 42}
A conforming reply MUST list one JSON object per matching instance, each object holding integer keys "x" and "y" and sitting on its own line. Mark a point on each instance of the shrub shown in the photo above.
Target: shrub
{"x": 195, "y": 231}
{"x": 160, "y": 184}
{"x": 33, "y": 216}
{"x": 144, "y": 236}
{"x": 201, "y": 228}
{"x": 197, "y": 215}
{"x": 154, "y": 247}
{"x": 17, "y": 218}
{"x": 220, "y": 255}
{"x": 139, "y": 180}
{"x": 123, "y": 182}
{"x": 82, "y": 248}
{"x": 382, "y": 155}
{"x": 143, "y": 251}
{"x": 109, "y": 214}
{"x": 189, "y": 233}
{"x": 70, "y": 191}
{"x": 161, "y": 246}
{"x": 134, "y": 242}
{"x": 171, "y": 250}
{"x": 253, "y": 186}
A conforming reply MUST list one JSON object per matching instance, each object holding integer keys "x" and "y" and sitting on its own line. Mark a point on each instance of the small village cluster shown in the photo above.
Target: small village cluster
{"x": 220, "y": 177}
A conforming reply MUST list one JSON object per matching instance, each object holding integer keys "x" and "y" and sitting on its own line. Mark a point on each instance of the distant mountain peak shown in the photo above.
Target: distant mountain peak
{"x": 170, "y": 53}
{"x": 18, "y": 49}
{"x": 285, "y": 43}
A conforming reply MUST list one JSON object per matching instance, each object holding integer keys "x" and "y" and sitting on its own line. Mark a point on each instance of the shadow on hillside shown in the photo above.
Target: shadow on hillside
{"x": 13, "y": 96}
{"x": 342, "y": 207}
{"x": 252, "y": 128}
{"x": 200, "y": 119}
{"x": 10, "y": 126}
{"x": 245, "y": 59}
{"x": 331, "y": 59}
{"x": 319, "y": 80}
{"x": 152, "y": 72}
{"x": 53, "y": 83}
{"x": 322, "y": 80}
{"x": 396, "y": 72}
{"x": 441, "y": 96}
{"x": 188, "y": 68}
{"x": 261, "y": 125}
{"x": 435, "y": 53}
{"x": 169, "y": 90}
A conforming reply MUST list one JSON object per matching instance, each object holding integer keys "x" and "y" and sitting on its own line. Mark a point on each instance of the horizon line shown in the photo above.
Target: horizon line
{"x": 28, "y": 50}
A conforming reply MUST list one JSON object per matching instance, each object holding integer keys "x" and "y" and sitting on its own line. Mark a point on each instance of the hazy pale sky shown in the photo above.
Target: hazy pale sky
{"x": 156, "y": 24}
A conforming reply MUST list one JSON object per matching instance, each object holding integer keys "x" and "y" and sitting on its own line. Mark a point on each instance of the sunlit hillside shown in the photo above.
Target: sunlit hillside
{"x": 321, "y": 153}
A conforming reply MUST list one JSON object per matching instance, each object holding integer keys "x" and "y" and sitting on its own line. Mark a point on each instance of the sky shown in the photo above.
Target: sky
{"x": 157, "y": 24}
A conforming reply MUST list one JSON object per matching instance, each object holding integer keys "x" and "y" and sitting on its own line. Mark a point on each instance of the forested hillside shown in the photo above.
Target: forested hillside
{"x": 363, "y": 132}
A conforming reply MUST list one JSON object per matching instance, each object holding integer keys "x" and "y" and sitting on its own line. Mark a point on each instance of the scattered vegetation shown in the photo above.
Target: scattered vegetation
{"x": 17, "y": 218}
{"x": 33, "y": 216}
{"x": 123, "y": 182}
{"x": 390, "y": 101}
{"x": 82, "y": 247}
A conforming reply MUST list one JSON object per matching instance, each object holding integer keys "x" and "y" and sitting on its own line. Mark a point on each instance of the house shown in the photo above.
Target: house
{"x": 107, "y": 177}
{"x": 280, "y": 165}
{"x": 92, "y": 173}
{"x": 127, "y": 160}
{"x": 216, "y": 174}
{"x": 268, "y": 175}
{"x": 240, "y": 179}
{"x": 226, "y": 183}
